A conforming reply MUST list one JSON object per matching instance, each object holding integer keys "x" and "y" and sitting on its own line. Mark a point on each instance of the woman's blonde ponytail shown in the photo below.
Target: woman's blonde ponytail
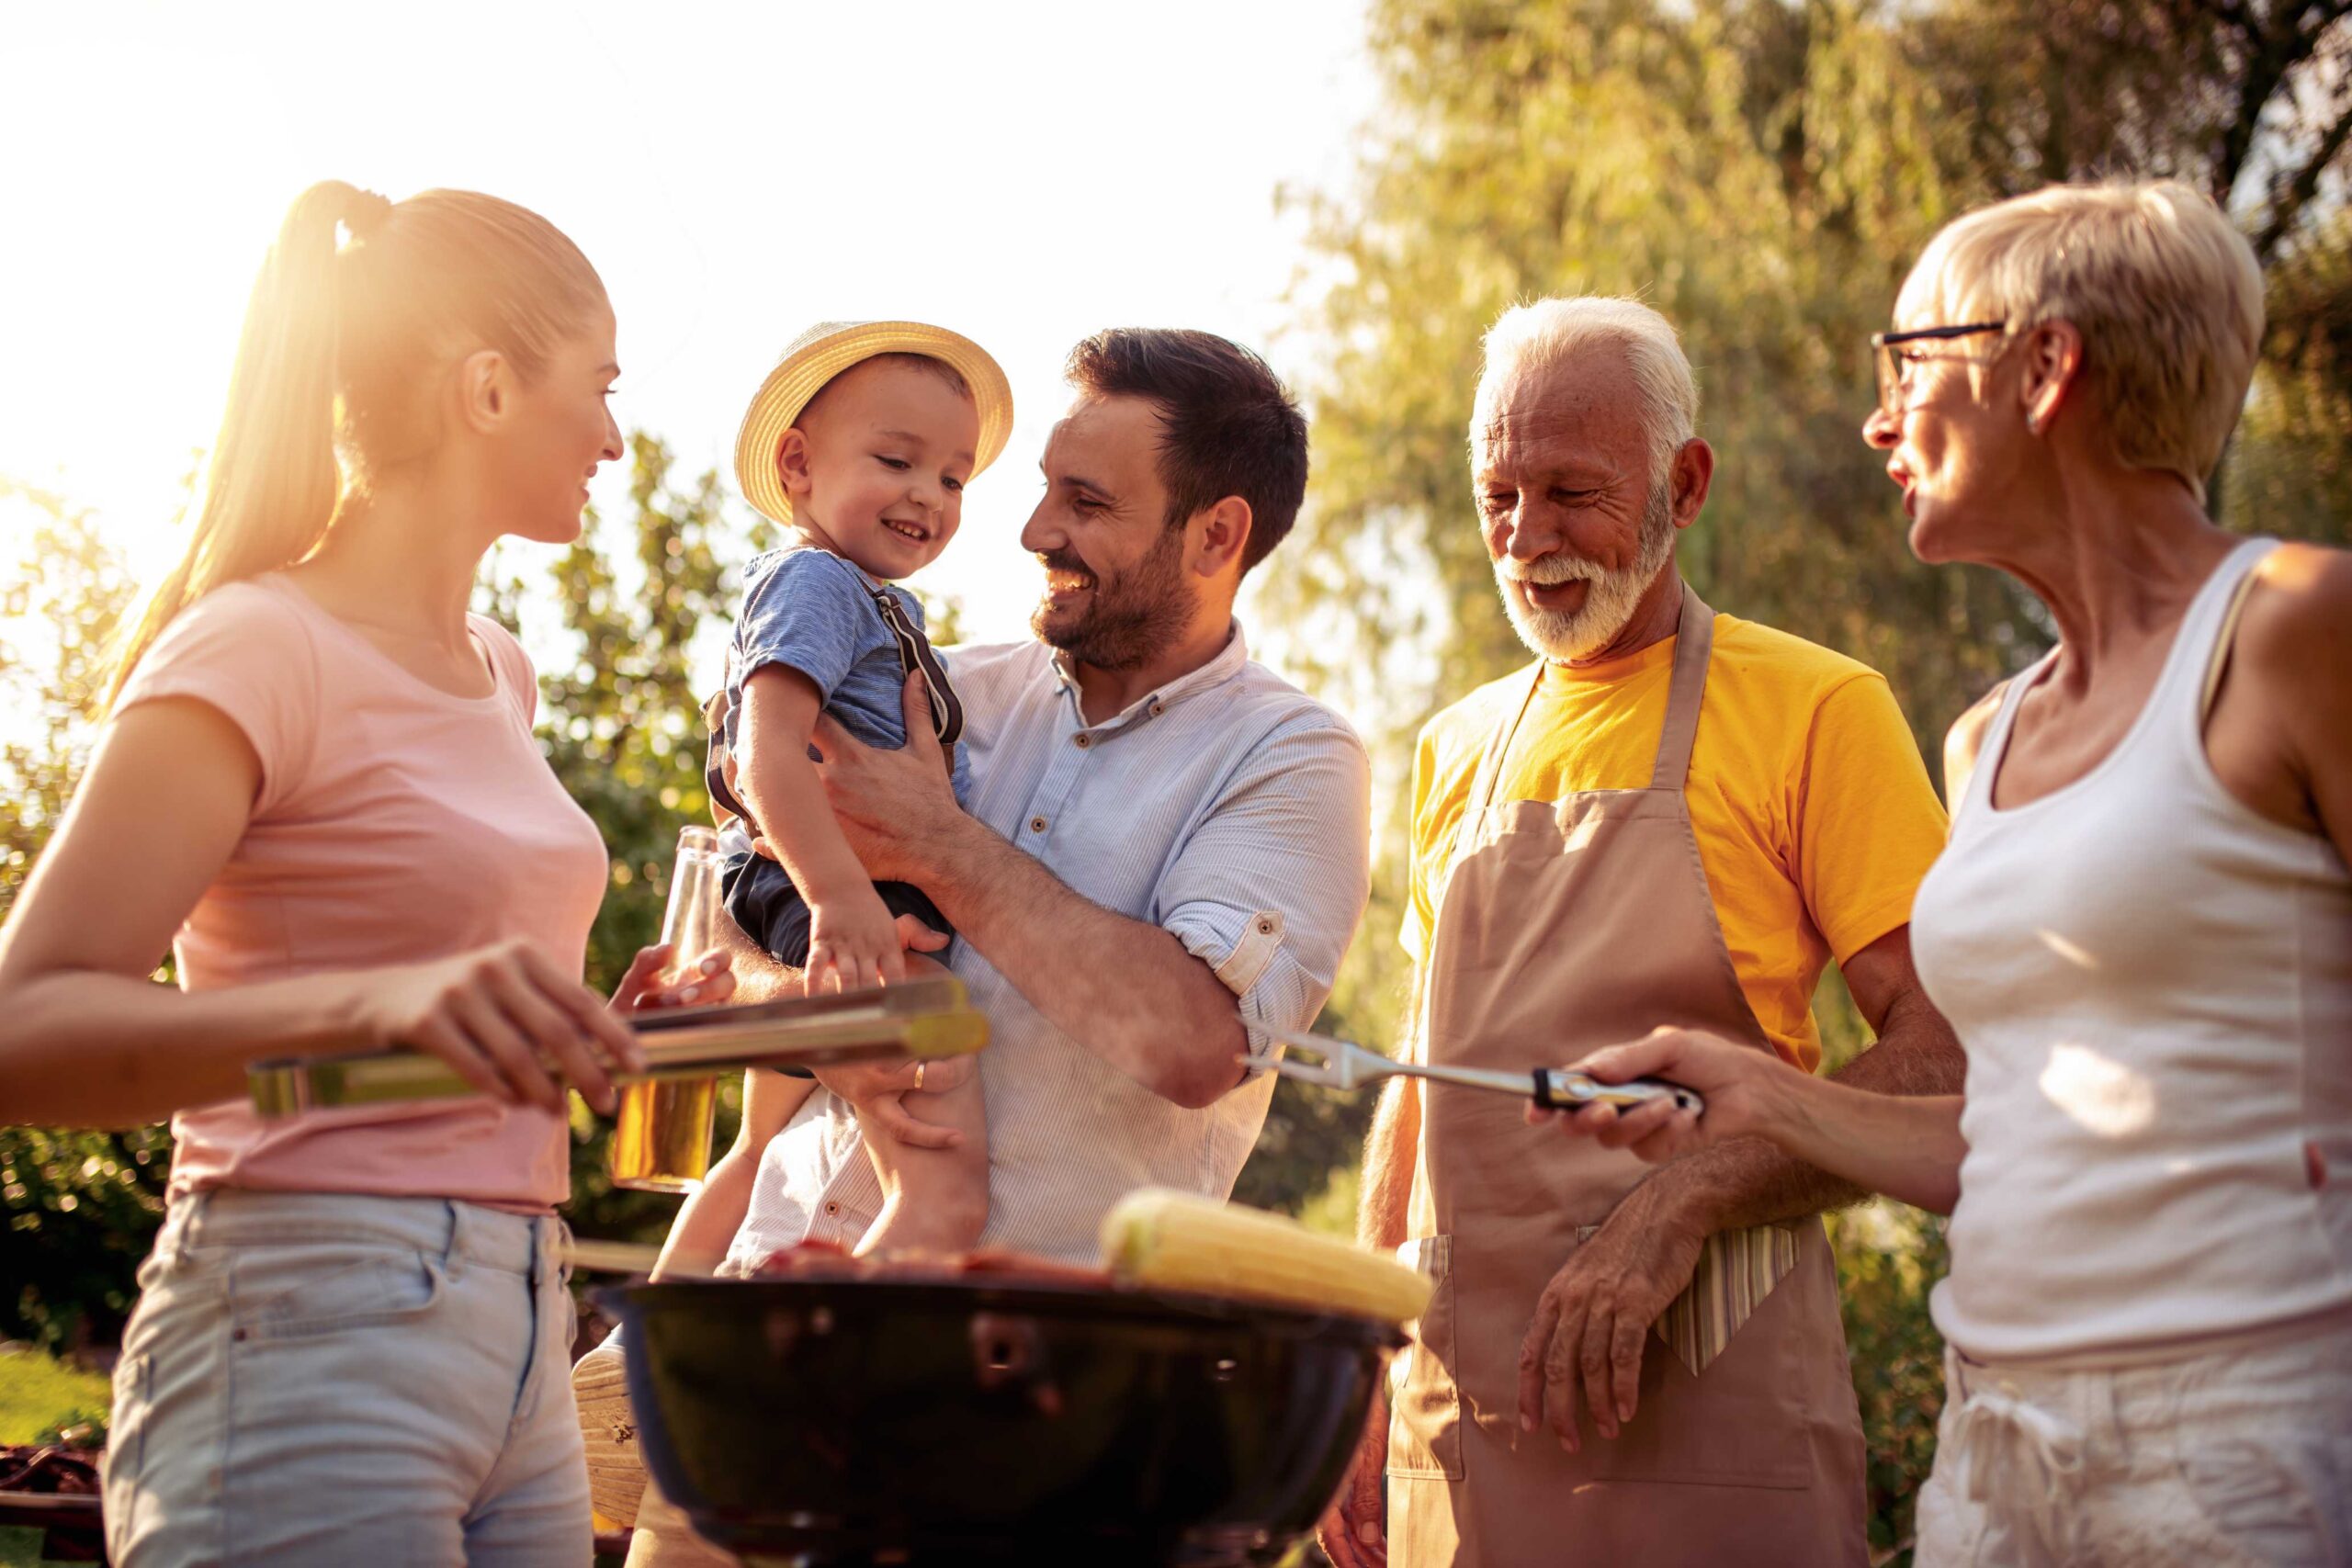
{"x": 340, "y": 358}
{"x": 271, "y": 486}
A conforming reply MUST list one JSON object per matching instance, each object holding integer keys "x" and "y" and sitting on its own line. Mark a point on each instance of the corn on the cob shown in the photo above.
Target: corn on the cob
{"x": 1179, "y": 1241}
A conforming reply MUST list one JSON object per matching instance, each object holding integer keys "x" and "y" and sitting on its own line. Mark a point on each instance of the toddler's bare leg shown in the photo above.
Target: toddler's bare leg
{"x": 932, "y": 1200}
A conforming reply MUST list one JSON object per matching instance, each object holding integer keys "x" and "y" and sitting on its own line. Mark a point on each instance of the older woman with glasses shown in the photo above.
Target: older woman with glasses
{"x": 2141, "y": 928}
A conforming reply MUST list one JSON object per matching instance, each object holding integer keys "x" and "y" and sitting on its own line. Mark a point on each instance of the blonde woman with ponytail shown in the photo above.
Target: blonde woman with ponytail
{"x": 317, "y": 783}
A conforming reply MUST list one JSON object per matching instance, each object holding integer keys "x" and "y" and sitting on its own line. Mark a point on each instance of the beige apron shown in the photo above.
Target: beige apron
{"x": 1564, "y": 926}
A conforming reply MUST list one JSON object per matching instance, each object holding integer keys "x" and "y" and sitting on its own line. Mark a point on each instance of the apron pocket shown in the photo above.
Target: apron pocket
{"x": 1744, "y": 1419}
{"x": 1425, "y": 1407}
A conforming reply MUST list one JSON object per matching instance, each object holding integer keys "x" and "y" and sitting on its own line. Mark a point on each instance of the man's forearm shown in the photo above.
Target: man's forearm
{"x": 1390, "y": 1151}
{"x": 759, "y": 978}
{"x": 1125, "y": 989}
{"x": 1753, "y": 1183}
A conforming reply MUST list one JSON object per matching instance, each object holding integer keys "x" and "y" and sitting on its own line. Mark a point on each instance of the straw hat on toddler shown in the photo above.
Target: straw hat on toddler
{"x": 823, "y": 352}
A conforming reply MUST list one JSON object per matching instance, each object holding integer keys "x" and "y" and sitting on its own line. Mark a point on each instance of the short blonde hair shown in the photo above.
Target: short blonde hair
{"x": 1537, "y": 336}
{"x": 2162, "y": 288}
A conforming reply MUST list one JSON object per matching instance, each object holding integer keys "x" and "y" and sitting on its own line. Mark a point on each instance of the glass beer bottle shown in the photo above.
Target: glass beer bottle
{"x": 660, "y": 1139}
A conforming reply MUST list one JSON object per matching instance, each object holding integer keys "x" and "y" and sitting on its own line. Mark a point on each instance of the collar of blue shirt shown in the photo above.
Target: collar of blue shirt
{"x": 1227, "y": 664}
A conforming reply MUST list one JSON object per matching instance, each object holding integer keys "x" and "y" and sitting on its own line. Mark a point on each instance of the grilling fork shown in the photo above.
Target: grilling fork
{"x": 1347, "y": 1065}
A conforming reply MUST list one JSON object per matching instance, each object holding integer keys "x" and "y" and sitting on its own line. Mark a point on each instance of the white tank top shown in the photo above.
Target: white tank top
{"x": 2153, "y": 986}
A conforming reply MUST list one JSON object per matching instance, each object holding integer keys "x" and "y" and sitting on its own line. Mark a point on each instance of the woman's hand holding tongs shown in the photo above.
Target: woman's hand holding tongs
{"x": 508, "y": 1019}
{"x": 1737, "y": 1082}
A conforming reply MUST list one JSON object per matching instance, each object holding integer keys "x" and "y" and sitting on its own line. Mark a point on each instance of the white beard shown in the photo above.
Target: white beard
{"x": 1564, "y": 636}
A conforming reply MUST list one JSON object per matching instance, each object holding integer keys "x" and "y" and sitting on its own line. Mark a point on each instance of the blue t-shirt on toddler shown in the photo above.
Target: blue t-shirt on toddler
{"x": 812, "y": 611}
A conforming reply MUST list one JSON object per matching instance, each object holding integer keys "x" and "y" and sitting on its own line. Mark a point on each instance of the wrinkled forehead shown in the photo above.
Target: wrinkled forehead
{"x": 1583, "y": 410}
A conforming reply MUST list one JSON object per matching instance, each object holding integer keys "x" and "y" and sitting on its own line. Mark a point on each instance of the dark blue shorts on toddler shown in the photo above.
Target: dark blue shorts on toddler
{"x": 761, "y": 898}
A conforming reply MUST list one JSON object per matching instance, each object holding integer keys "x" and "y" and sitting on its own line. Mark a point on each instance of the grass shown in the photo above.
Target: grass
{"x": 37, "y": 1392}
{"x": 21, "y": 1549}
{"x": 36, "y": 1395}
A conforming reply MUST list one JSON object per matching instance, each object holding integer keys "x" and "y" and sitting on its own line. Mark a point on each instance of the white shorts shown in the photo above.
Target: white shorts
{"x": 2239, "y": 1456}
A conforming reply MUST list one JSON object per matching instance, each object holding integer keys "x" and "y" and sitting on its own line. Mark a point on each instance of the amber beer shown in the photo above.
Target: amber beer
{"x": 661, "y": 1134}
{"x": 660, "y": 1139}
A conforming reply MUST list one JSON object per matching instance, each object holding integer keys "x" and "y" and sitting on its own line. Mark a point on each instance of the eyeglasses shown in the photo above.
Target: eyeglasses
{"x": 1894, "y": 361}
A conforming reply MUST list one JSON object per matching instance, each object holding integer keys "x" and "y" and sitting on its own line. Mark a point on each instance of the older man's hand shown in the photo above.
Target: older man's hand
{"x": 1594, "y": 1318}
{"x": 1354, "y": 1531}
{"x": 891, "y": 804}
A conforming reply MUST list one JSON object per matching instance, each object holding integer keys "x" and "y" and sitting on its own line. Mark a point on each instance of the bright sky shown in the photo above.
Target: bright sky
{"x": 1024, "y": 173}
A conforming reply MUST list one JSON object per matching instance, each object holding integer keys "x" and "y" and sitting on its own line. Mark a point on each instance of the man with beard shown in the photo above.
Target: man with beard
{"x": 1166, "y": 843}
{"x": 1673, "y": 817}
{"x": 1166, "y": 846}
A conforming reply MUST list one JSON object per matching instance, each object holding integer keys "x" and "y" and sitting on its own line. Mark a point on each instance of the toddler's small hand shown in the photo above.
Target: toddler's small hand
{"x": 854, "y": 943}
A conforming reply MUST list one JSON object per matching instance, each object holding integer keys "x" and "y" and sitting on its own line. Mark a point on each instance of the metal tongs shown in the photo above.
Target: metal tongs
{"x": 1347, "y": 1065}
{"x": 923, "y": 1019}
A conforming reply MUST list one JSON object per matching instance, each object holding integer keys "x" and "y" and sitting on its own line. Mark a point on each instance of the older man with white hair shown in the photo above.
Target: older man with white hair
{"x": 1675, "y": 818}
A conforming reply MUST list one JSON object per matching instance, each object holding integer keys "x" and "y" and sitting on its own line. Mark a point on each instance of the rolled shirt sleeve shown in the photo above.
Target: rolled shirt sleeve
{"x": 1269, "y": 886}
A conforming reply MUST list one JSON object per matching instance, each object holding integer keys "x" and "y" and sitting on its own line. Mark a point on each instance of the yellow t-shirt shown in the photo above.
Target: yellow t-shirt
{"x": 1813, "y": 811}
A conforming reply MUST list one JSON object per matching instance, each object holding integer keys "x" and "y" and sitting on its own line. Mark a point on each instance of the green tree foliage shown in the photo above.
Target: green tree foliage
{"x": 1759, "y": 173}
{"x": 79, "y": 1208}
{"x": 2248, "y": 99}
{"x": 2291, "y": 472}
{"x": 1889, "y": 1257}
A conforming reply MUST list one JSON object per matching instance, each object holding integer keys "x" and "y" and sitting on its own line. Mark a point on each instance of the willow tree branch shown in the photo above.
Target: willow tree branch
{"x": 2286, "y": 205}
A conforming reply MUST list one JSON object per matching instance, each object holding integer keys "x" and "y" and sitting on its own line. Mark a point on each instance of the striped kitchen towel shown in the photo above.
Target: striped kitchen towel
{"x": 1736, "y": 1270}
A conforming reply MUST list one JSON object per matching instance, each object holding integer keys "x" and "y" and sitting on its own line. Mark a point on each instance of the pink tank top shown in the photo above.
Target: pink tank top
{"x": 395, "y": 823}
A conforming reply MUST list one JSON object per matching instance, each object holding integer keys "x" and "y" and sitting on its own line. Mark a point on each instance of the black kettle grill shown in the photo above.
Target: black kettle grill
{"x": 823, "y": 1423}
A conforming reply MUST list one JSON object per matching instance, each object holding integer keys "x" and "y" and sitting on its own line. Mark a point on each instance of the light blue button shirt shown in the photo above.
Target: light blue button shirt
{"x": 1228, "y": 808}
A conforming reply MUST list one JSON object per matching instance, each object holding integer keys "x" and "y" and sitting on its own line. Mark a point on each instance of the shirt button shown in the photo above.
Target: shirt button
{"x": 1265, "y": 928}
{"x": 831, "y": 1207}
{"x": 1158, "y": 708}
{"x": 1083, "y": 740}
{"x": 1037, "y": 824}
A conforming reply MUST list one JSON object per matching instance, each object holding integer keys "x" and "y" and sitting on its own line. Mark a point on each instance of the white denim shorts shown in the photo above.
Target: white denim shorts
{"x": 2240, "y": 1455}
{"x": 314, "y": 1378}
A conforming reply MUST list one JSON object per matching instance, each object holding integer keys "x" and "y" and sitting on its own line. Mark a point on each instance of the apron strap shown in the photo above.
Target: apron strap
{"x": 1694, "y": 639}
{"x": 1490, "y": 766}
{"x": 1694, "y": 642}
